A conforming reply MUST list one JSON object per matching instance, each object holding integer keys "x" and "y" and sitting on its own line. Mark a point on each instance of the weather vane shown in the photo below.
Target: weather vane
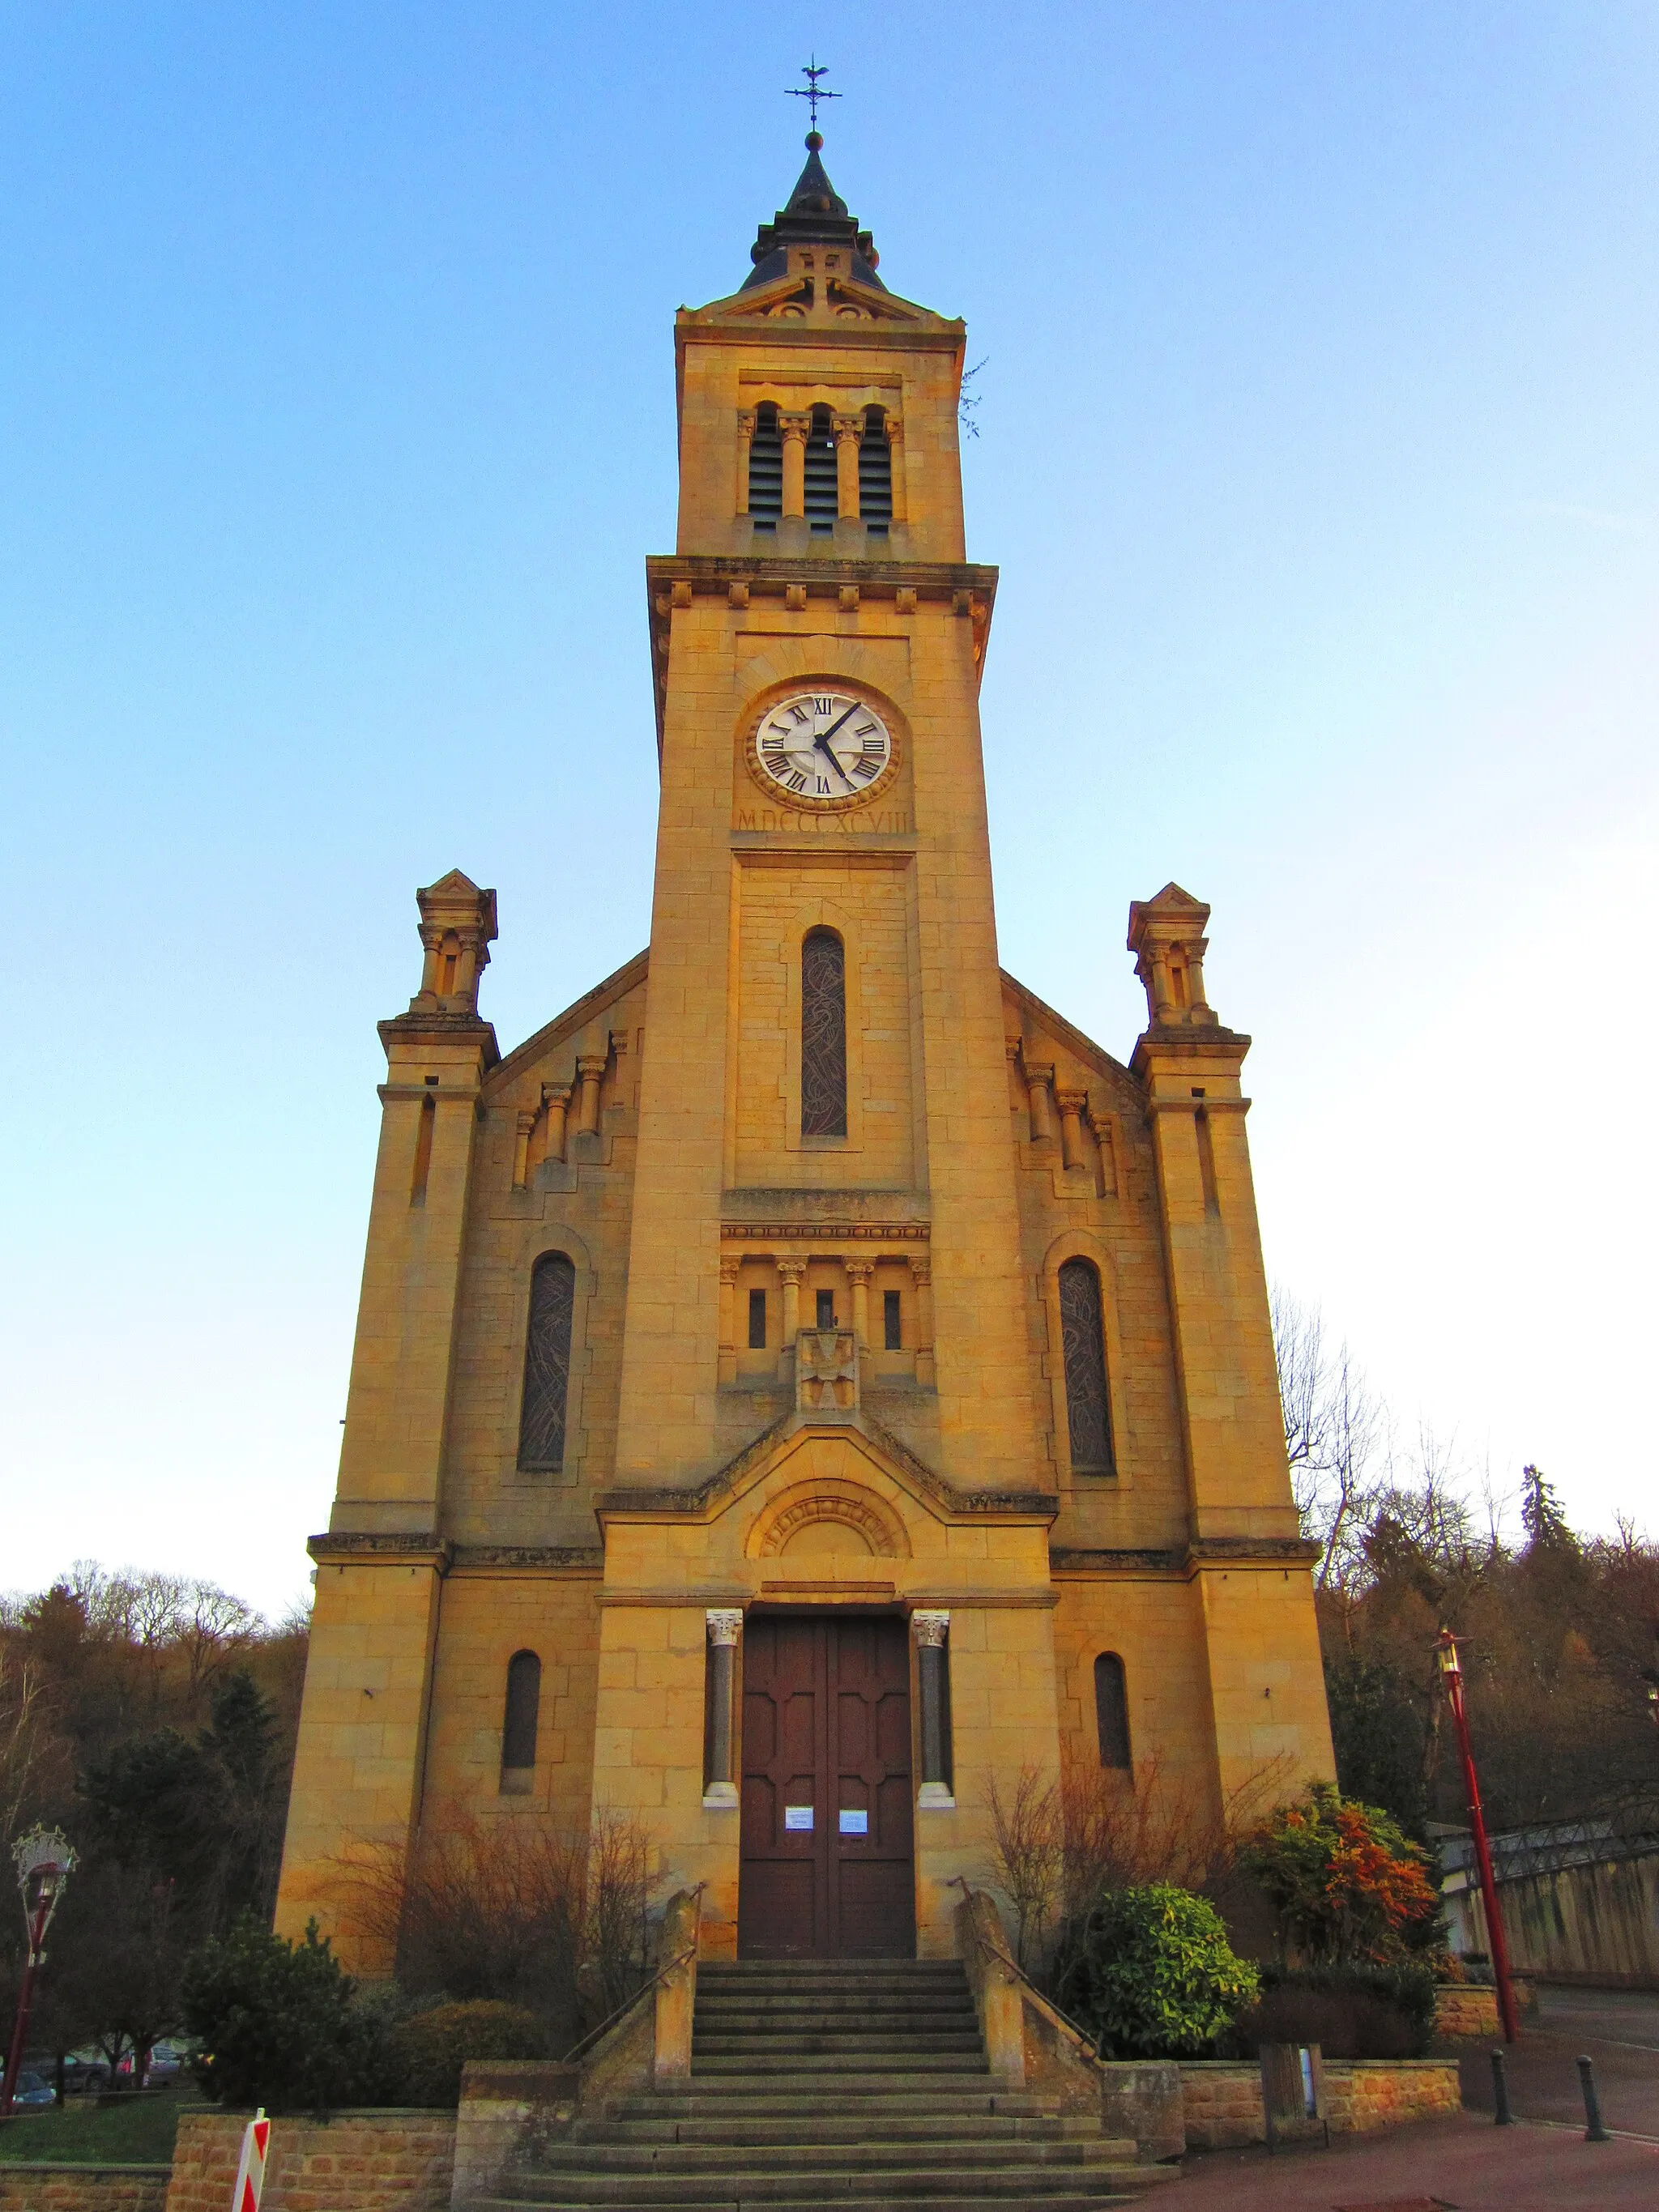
{"x": 812, "y": 90}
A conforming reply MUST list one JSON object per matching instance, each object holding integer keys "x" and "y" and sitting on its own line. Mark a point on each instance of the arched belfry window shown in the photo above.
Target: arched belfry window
{"x": 823, "y": 498}
{"x": 766, "y": 469}
{"x": 520, "y": 1720}
{"x": 875, "y": 472}
{"x": 1083, "y": 1343}
{"x": 822, "y": 1034}
{"x": 1112, "y": 1712}
{"x": 547, "y": 1363}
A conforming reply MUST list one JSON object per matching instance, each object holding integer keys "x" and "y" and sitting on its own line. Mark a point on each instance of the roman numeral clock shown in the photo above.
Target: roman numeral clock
{"x": 822, "y": 749}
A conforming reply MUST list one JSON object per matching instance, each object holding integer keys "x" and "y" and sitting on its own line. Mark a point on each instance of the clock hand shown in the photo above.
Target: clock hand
{"x": 822, "y": 744}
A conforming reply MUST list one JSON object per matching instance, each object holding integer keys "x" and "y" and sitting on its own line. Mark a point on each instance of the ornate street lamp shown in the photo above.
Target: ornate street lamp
{"x": 1451, "y": 1675}
{"x": 45, "y": 1862}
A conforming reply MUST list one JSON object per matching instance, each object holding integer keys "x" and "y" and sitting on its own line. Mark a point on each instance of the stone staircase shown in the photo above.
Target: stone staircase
{"x": 863, "y": 2086}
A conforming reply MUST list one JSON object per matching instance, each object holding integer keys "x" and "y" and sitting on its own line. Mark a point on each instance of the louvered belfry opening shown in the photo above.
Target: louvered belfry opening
{"x": 875, "y": 474}
{"x": 822, "y": 498}
{"x": 822, "y": 1034}
{"x": 1083, "y": 1340}
{"x": 766, "y": 470}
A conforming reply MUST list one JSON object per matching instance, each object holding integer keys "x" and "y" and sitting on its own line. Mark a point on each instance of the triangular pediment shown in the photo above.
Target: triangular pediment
{"x": 589, "y": 1008}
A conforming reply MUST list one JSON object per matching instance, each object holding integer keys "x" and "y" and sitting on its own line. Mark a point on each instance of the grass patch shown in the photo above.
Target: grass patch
{"x": 136, "y": 2134}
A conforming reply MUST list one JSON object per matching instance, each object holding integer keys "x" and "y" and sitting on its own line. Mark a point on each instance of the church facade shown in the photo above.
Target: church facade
{"x": 809, "y": 1383}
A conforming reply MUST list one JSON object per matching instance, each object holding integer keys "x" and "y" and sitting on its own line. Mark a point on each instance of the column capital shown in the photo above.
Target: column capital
{"x": 791, "y": 1271}
{"x": 593, "y": 1064}
{"x": 724, "y": 1624}
{"x": 921, "y": 1270}
{"x": 847, "y": 427}
{"x": 930, "y": 1627}
{"x": 860, "y": 1271}
{"x": 730, "y": 1263}
{"x": 794, "y": 427}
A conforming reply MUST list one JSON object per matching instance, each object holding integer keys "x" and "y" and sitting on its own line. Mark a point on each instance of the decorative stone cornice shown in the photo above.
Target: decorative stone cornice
{"x": 343, "y": 1546}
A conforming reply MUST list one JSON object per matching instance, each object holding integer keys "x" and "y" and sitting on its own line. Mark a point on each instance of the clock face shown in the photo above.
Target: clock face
{"x": 822, "y": 749}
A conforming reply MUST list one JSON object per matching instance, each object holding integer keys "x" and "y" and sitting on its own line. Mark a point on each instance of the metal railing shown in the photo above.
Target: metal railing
{"x": 1090, "y": 2044}
{"x": 643, "y": 1990}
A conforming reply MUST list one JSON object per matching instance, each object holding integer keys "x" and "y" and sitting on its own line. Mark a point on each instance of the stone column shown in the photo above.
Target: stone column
{"x": 789, "y": 1274}
{"x": 729, "y": 1262}
{"x": 1039, "y": 1074}
{"x": 859, "y": 1272}
{"x": 590, "y": 1070}
{"x": 724, "y": 1629}
{"x": 1071, "y": 1104}
{"x": 1101, "y": 1126}
{"x": 555, "y": 1098}
{"x": 849, "y": 428}
{"x": 794, "y": 428}
{"x": 526, "y": 1125}
{"x": 921, "y": 1277}
{"x": 930, "y": 1629}
{"x": 896, "y": 450}
{"x": 745, "y": 439}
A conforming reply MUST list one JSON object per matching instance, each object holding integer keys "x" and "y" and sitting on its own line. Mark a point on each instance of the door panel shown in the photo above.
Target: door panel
{"x": 826, "y": 1733}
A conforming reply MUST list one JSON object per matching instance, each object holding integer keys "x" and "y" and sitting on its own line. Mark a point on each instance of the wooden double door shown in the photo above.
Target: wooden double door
{"x": 827, "y": 1859}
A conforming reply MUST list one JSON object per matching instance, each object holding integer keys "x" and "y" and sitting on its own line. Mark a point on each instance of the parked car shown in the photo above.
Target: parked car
{"x": 85, "y": 2071}
{"x": 32, "y": 2092}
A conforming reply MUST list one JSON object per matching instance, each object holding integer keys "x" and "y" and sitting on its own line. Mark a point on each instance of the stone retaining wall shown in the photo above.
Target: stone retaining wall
{"x": 388, "y": 2162}
{"x": 1221, "y": 2099}
{"x": 43, "y": 2188}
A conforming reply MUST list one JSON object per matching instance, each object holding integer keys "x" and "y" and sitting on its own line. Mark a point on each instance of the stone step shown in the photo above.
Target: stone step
{"x": 955, "y": 2201}
{"x": 749, "y": 2159}
{"x": 918, "y": 2004}
{"x": 763, "y": 2098}
{"x": 832, "y": 2042}
{"x": 854, "y": 2065}
{"x": 924, "y": 2127}
{"x": 1032, "y": 2186}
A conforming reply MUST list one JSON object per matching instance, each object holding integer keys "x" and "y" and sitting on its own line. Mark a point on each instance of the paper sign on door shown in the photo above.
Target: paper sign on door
{"x": 798, "y": 1816}
{"x": 853, "y": 1823}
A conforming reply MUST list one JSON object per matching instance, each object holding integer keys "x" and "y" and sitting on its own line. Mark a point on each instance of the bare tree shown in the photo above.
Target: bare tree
{"x": 1334, "y": 1432}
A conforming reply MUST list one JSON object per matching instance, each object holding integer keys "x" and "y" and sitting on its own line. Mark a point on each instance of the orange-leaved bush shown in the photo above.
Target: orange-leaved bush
{"x": 1347, "y": 1883}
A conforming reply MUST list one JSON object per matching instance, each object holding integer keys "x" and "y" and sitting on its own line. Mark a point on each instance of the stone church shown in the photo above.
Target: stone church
{"x": 808, "y": 1381}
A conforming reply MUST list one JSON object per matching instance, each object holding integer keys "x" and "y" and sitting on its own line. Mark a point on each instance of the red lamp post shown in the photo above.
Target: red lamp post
{"x": 45, "y": 1862}
{"x": 1452, "y": 1674}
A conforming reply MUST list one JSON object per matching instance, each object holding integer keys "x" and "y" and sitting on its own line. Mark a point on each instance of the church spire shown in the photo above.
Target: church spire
{"x": 815, "y": 214}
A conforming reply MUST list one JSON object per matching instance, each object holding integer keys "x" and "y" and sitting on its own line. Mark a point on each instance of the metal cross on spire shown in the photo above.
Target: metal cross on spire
{"x": 812, "y": 90}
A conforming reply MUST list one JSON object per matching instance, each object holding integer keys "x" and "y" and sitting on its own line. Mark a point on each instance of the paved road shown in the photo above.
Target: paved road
{"x": 1543, "y": 2165}
{"x": 1618, "y": 2028}
{"x": 1464, "y": 2163}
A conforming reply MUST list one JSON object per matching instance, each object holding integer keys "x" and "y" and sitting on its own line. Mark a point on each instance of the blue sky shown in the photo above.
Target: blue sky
{"x": 1319, "y": 456}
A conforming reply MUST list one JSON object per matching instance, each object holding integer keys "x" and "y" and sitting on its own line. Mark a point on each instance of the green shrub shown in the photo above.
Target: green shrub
{"x": 1150, "y": 1973}
{"x": 436, "y": 2044}
{"x": 277, "y": 2026}
{"x": 1351, "y": 2011}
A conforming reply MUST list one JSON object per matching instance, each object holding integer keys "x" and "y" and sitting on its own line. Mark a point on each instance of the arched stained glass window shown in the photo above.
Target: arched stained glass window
{"x": 547, "y": 1363}
{"x": 822, "y": 1034}
{"x": 1083, "y": 1339}
{"x": 523, "y": 1712}
{"x": 1112, "y": 1711}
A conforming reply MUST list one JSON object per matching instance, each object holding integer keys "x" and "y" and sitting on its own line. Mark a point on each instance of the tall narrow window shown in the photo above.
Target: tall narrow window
{"x": 757, "y": 1321}
{"x": 1082, "y": 1341}
{"x": 822, "y": 496}
{"x": 1112, "y": 1711}
{"x": 892, "y": 1329}
{"x": 876, "y": 473}
{"x": 822, "y": 1034}
{"x": 519, "y": 1722}
{"x": 766, "y": 470}
{"x": 547, "y": 1363}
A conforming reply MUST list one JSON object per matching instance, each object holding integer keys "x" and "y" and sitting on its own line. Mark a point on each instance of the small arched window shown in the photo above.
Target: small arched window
{"x": 766, "y": 469}
{"x": 547, "y": 1363}
{"x": 875, "y": 473}
{"x": 519, "y": 1720}
{"x": 1083, "y": 1340}
{"x": 822, "y": 496}
{"x": 1112, "y": 1712}
{"x": 822, "y": 1034}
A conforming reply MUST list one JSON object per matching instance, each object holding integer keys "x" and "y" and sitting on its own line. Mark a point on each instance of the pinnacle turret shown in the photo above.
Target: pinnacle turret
{"x": 815, "y": 214}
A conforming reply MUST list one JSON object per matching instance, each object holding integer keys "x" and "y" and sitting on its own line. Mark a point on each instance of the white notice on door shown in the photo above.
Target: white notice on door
{"x": 853, "y": 1823}
{"x": 797, "y": 1816}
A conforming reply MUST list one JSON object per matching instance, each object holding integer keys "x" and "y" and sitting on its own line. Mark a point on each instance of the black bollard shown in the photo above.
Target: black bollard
{"x": 1500, "y": 2092}
{"x": 1593, "y": 2130}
